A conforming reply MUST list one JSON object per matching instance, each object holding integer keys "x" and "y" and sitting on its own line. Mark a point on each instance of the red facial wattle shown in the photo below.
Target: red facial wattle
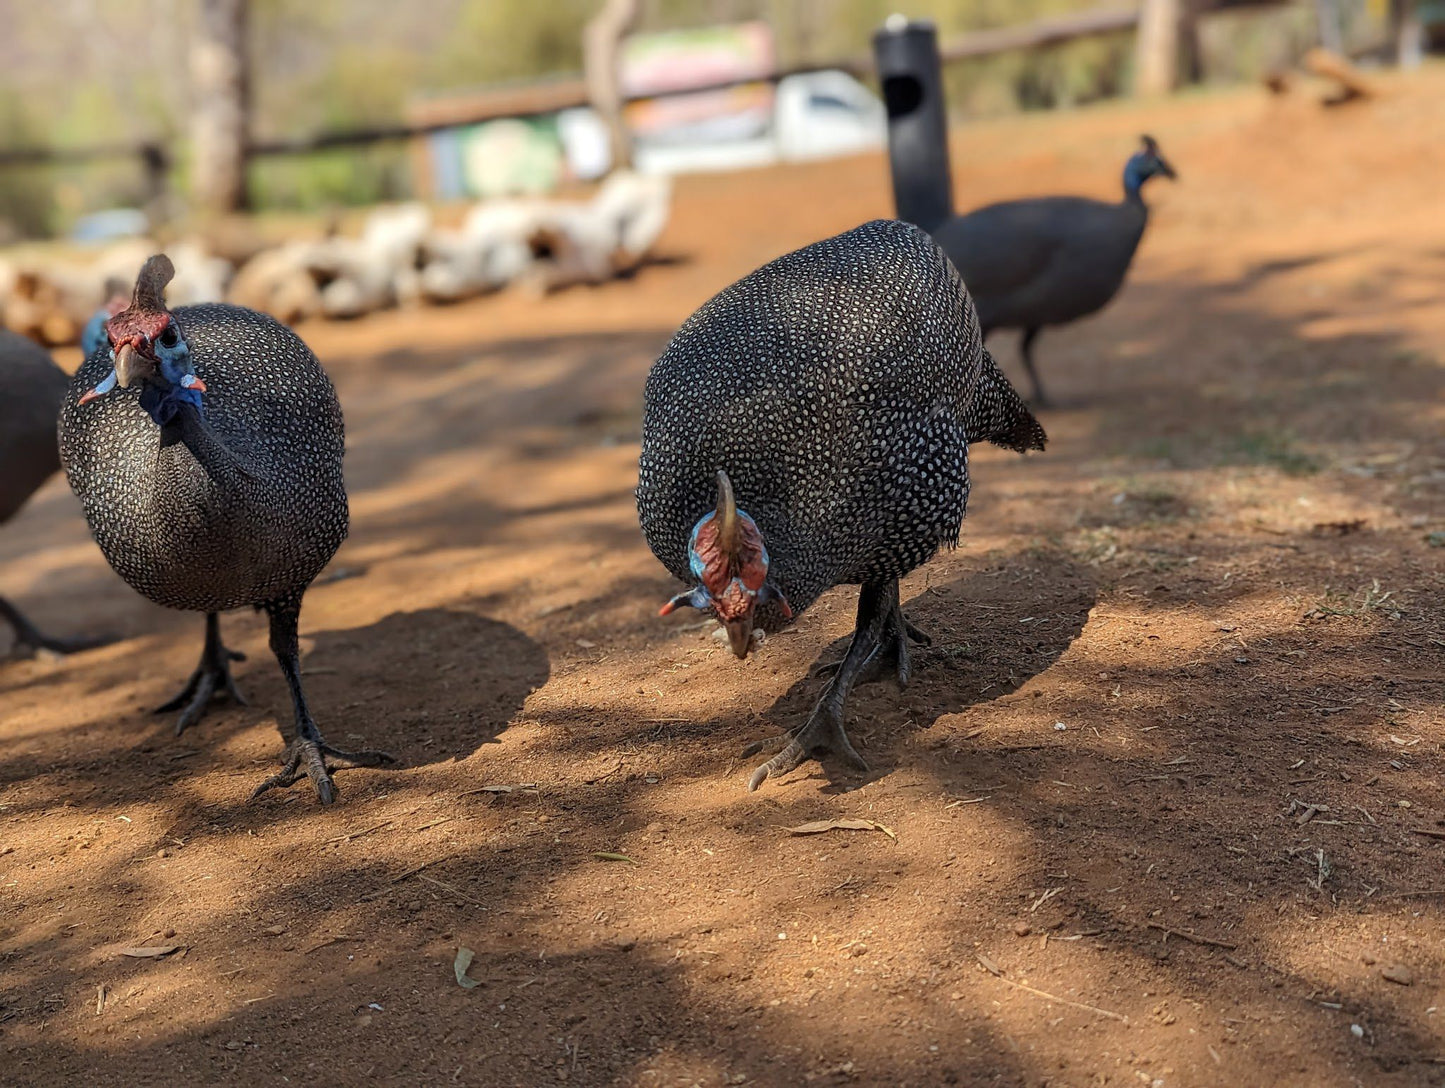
{"x": 725, "y": 552}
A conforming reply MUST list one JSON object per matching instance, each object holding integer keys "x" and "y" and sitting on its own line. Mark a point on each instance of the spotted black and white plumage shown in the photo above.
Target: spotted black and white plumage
{"x": 258, "y": 531}
{"x": 205, "y": 445}
{"x": 837, "y": 389}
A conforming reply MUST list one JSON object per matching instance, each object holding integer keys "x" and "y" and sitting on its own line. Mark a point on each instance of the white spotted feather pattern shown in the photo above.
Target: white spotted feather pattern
{"x": 838, "y": 387}
{"x": 262, "y": 531}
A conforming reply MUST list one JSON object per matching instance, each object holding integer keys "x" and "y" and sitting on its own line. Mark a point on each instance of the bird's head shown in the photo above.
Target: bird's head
{"x": 148, "y": 350}
{"x": 727, "y": 555}
{"x": 1145, "y": 164}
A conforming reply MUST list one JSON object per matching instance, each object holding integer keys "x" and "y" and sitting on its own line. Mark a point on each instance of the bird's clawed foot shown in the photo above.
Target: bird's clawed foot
{"x": 769, "y": 744}
{"x": 36, "y": 643}
{"x": 211, "y": 680}
{"x": 316, "y": 759}
{"x": 30, "y": 640}
{"x": 821, "y": 736}
{"x": 879, "y": 648}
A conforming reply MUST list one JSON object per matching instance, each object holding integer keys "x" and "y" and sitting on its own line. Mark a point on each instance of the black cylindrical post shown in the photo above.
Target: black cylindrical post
{"x": 912, "y": 81}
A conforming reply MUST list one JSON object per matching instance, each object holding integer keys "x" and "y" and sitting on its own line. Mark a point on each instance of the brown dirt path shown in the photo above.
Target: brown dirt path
{"x": 1166, "y": 791}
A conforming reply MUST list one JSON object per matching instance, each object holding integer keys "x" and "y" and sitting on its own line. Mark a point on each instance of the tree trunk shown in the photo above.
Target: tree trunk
{"x": 602, "y": 68}
{"x": 1156, "y": 48}
{"x": 220, "y": 106}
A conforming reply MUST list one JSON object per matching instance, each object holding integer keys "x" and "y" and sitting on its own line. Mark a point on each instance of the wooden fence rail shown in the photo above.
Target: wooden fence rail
{"x": 550, "y": 96}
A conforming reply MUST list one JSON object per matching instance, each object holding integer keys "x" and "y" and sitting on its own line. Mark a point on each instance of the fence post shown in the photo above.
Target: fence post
{"x": 601, "y": 65}
{"x": 219, "y": 106}
{"x": 1156, "y": 48}
{"x": 912, "y": 82}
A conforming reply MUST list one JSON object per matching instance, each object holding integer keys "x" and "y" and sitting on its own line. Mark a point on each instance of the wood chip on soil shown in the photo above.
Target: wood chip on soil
{"x": 150, "y": 951}
{"x": 459, "y": 966}
{"x": 818, "y": 826}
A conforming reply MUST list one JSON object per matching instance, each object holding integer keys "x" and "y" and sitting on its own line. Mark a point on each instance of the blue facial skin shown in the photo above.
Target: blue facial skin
{"x": 1140, "y": 168}
{"x": 170, "y": 386}
{"x": 164, "y": 394}
{"x": 92, "y": 337}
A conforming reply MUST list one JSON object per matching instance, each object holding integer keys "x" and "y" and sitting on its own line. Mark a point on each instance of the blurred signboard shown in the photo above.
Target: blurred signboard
{"x": 676, "y": 61}
{"x": 675, "y": 126}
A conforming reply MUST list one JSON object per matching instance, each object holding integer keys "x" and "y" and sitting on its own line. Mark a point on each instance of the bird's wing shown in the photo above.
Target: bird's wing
{"x": 999, "y": 415}
{"x": 1002, "y": 247}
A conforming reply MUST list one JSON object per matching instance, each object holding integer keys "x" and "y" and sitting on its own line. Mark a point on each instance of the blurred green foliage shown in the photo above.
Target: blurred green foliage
{"x": 25, "y": 194}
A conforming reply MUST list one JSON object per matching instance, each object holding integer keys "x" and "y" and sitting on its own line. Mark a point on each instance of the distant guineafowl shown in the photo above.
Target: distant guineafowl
{"x": 213, "y": 482}
{"x": 1050, "y": 260}
{"x": 32, "y": 388}
{"x": 809, "y": 427}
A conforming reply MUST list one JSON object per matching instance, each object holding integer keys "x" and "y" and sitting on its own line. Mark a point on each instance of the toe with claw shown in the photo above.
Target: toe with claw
{"x": 212, "y": 680}
{"x": 822, "y": 736}
{"x": 316, "y": 760}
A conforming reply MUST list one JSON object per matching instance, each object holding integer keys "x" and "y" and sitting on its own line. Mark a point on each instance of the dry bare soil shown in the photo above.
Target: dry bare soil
{"x": 1163, "y": 805}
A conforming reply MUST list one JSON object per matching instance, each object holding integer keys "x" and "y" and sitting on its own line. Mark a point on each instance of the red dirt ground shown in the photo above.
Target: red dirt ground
{"x": 1164, "y": 799}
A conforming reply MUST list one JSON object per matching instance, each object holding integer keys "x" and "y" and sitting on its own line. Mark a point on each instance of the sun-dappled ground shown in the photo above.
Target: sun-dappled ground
{"x": 1163, "y": 804}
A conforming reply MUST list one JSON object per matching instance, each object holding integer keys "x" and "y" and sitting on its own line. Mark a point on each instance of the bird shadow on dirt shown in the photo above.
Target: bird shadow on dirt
{"x": 437, "y": 683}
{"x": 992, "y": 631}
{"x": 432, "y": 686}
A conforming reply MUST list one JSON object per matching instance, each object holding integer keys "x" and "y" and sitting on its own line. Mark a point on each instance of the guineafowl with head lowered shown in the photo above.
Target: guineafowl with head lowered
{"x": 31, "y": 390}
{"x": 809, "y": 427}
{"x": 1050, "y": 260}
{"x": 205, "y": 445}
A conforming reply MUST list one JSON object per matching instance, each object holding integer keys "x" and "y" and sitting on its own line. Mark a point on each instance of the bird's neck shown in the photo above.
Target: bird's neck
{"x": 1133, "y": 187}
{"x": 219, "y": 462}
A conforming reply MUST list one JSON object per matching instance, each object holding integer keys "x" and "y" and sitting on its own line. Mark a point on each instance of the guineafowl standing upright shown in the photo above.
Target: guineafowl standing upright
{"x": 809, "y": 427}
{"x": 32, "y": 388}
{"x": 1050, "y": 260}
{"x": 212, "y": 481}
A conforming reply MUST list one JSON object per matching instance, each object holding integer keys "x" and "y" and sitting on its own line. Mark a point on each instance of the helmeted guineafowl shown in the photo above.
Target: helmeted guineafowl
{"x": 1050, "y": 260}
{"x": 213, "y": 481}
{"x": 32, "y": 388}
{"x": 809, "y": 427}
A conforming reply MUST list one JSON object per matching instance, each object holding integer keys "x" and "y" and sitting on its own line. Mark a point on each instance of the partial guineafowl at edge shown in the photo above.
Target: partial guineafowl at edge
{"x": 809, "y": 427}
{"x": 1050, "y": 260}
{"x": 31, "y": 390}
{"x": 205, "y": 445}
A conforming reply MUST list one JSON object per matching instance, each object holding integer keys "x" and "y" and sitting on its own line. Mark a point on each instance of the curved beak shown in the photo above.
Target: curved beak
{"x": 1165, "y": 168}
{"x": 740, "y": 635}
{"x": 130, "y": 365}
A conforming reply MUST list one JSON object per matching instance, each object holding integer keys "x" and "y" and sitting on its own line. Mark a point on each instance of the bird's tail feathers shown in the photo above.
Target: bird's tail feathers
{"x": 999, "y": 415}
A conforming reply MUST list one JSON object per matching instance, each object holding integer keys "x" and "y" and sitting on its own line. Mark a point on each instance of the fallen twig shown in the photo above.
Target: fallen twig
{"x": 1190, "y": 937}
{"x": 1420, "y": 894}
{"x": 520, "y": 787}
{"x": 1041, "y": 900}
{"x": 1065, "y": 1001}
{"x": 357, "y": 834}
{"x": 448, "y": 887}
{"x": 410, "y": 872}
